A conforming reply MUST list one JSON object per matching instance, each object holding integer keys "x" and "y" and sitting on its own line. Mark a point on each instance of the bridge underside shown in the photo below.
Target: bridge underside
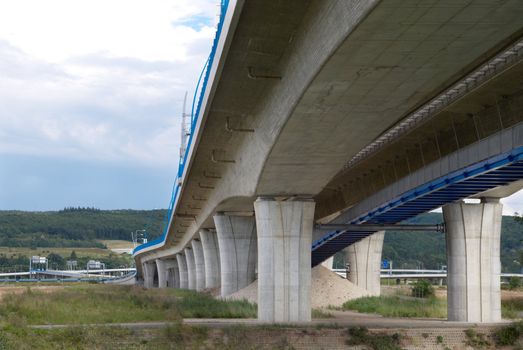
{"x": 498, "y": 171}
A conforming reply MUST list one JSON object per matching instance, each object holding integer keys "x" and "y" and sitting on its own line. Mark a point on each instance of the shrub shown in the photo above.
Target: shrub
{"x": 514, "y": 283}
{"x": 361, "y": 336}
{"x": 422, "y": 289}
{"x": 510, "y": 334}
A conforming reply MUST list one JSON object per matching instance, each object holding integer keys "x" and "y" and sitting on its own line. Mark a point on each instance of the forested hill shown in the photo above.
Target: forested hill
{"x": 413, "y": 249}
{"x": 75, "y": 227}
{"x": 82, "y": 227}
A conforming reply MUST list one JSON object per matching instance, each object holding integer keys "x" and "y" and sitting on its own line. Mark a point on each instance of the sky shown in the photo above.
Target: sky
{"x": 91, "y": 95}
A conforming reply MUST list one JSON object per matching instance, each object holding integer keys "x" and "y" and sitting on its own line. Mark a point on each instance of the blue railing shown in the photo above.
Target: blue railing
{"x": 195, "y": 116}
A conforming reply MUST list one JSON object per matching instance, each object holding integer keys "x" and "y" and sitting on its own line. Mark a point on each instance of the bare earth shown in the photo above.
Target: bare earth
{"x": 328, "y": 288}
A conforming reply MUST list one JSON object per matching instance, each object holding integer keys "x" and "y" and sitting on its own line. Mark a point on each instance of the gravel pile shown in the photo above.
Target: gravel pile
{"x": 328, "y": 288}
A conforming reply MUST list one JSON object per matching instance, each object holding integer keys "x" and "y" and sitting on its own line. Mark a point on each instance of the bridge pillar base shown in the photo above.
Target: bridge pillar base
{"x": 191, "y": 268}
{"x": 162, "y": 273}
{"x": 284, "y": 259}
{"x": 473, "y": 249}
{"x": 199, "y": 264}
{"x": 364, "y": 258}
{"x": 182, "y": 268}
{"x": 238, "y": 251}
{"x": 149, "y": 269}
{"x": 211, "y": 257}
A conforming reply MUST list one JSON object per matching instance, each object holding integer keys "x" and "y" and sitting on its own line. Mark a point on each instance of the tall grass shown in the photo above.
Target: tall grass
{"x": 395, "y": 306}
{"x": 89, "y": 304}
{"x": 512, "y": 308}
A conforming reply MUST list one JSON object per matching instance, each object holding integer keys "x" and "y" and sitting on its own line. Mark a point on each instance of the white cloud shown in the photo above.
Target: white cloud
{"x": 99, "y": 79}
{"x": 55, "y": 30}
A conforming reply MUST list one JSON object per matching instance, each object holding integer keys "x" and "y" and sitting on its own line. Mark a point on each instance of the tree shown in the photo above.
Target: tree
{"x": 56, "y": 261}
{"x": 73, "y": 256}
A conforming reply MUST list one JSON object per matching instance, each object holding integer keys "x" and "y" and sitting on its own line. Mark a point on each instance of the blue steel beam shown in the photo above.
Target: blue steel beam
{"x": 488, "y": 174}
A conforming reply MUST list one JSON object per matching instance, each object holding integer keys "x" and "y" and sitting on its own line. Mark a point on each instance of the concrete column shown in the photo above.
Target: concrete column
{"x": 149, "y": 269}
{"x": 176, "y": 275}
{"x": 199, "y": 264}
{"x": 284, "y": 259}
{"x": 211, "y": 257}
{"x": 364, "y": 258}
{"x": 328, "y": 263}
{"x": 170, "y": 266}
{"x": 238, "y": 251}
{"x": 162, "y": 273}
{"x": 473, "y": 246}
{"x": 191, "y": 269}
{"x": 182, "y": 267}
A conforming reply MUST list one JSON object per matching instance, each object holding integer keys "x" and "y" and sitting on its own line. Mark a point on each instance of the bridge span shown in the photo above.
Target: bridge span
{"x": 346, "y": 112}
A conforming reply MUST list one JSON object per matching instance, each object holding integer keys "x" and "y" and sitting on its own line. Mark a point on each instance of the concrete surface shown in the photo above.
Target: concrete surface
{"x": 364, "y": 259}
{"x": 199, "y": 264}
{"x": 191, "y": 268}
{"x": 162, "y": 273}
{"x": 182, "y": 266}
{"x": 238, "y": 251}
{"x": 284, "y": 259}
{"x": 473, "y": 246}
{"x": 211, "y": 257}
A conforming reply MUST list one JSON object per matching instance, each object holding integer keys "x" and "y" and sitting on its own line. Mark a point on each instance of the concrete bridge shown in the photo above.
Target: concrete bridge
{"x": 346, "y": 112}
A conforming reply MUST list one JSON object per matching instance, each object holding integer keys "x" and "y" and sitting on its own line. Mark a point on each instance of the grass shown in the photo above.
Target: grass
{"x": 395, "y": 306}
{"x": 117, "y": 244}
{"x": 320, "y": 313}
{"x": 95, "y": 253}
{"x": 95, "y": 304}
{"x": 376, "y": 341}
{"x": 511, "y": 308}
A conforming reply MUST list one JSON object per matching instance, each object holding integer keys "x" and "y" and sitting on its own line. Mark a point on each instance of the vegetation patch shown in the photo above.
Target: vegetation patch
{"x": 377, "y": 341}
{"x": 512, "y": 308}
{"x": 509, "y": 335}
{"x": 396, "y": 306}
{"x": 476, "y": 340}
{"x": 422, "y": 289}
{"x": 95, "y": 304}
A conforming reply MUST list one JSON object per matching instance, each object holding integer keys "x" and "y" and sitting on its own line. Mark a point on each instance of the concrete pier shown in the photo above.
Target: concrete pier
{"x": 473, "y": 248}
{"x": 199, "y": 264}
{"x": 284, "y": 259}
{"x": 173, "y": 275}
{"x": 182, "y": 267}
{"x": 191, "y": 268}
{"x": 211, "y": 257}
{"x": 162, "y": 273}
{"x": 364, "y": 258}
{"x": 149, "y": 270}
{"x": 238, "y": 251}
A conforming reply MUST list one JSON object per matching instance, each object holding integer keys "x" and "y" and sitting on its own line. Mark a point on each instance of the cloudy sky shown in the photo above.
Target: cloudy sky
{"x": 91, "y": 95}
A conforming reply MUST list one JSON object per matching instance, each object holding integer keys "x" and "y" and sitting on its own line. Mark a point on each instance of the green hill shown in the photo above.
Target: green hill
{"x": 75, "y": 227}
{"x": 427, "y": 249}
{"x": 83, "y": 227}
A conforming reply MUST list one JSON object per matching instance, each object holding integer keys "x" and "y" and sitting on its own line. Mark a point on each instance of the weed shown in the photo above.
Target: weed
{"x": 397, "y": 306}
{"x": 422, "y": 289}
{"x": 361, "y": 336}
{"x": 319, "y": 313}
{"x": 508, "y": 335}
{"x": 439, "y": 339}
{"x": 475, "y": 340}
